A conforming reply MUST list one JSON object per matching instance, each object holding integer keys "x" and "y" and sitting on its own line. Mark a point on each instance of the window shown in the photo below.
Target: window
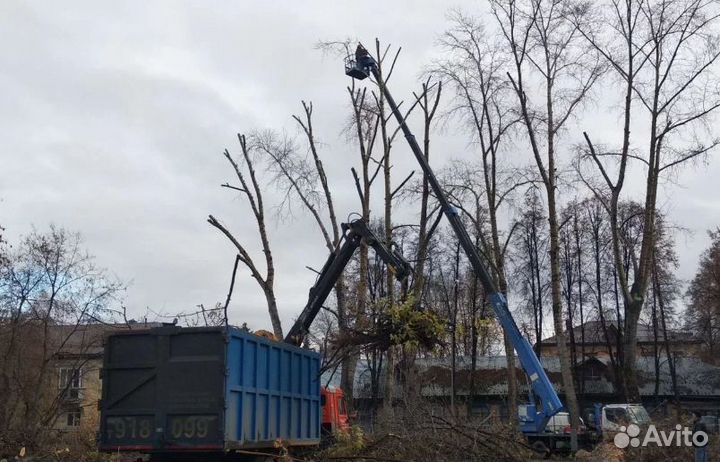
{"x": 593, "y": 373}
{"x": 617, "y": 416}
{"x": 70, "y": 378}
{"x": 480, "y": 410}
{"x": 639, "y": 415}
{"x": 70, "y": 383}
{"x": 73, "y": 418}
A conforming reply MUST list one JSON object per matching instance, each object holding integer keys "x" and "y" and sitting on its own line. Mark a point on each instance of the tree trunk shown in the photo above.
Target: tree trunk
{"x": 629, "y": 358}
{"x": 666, "y": 341}
{"x": 619, "y": 344}
{"x": 555, "y": 277}
{"x": 389, "y": 388}
{"x": 578, "y": 246}
{"x": 473, "y": 344}
{"x": 556, "y": 291}
{"x": 274, "y": 316}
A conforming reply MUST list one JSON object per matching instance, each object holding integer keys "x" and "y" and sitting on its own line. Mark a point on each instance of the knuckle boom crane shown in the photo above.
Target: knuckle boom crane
{"x": 354, "y": 233}
{"x": 334, "y": 413}
{"x": 364, "y": 65}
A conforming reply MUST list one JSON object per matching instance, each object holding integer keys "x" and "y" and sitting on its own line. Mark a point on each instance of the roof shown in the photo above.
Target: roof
{"x": 86, "y": 340}
{"x": 695, "y": 377}
{"x": 595, "y": 334}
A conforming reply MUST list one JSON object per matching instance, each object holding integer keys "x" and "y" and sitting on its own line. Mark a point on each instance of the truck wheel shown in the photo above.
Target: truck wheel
{"x": 541, "y": 448}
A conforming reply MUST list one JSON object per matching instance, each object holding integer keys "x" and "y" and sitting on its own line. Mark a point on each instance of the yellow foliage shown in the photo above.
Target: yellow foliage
{"x": 413, "y": 327}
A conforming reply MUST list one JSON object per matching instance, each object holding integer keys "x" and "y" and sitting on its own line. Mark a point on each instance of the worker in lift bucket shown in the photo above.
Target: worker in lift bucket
{"x": 362, "y": 57}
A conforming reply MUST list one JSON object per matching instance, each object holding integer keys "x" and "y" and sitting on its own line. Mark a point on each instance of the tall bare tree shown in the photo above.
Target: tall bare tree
{"x": 303, "y": 177}
{"x": 428, "y": 101}
{"x": 665, "y": 52}
{"x": 388, "y": 193}
{"x": 362, "y": 129}
{"x": 546, "y": 45}
{"x": 249, "y": 187}
{"x": 370, "y": 121}
{"x": 482, "y": 101}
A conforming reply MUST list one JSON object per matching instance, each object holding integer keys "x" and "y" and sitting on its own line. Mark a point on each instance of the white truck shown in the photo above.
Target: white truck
{"x": 604, "y": 421}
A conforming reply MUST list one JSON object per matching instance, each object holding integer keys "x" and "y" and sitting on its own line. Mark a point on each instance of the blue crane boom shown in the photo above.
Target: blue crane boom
{"x": 365, "y": 65}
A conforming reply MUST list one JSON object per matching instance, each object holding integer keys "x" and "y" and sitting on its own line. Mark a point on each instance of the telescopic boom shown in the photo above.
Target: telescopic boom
{"x": 364, "y": 66}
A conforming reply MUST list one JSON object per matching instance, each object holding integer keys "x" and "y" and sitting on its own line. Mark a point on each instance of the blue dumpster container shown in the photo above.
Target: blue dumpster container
{"x": 173, "y": 389}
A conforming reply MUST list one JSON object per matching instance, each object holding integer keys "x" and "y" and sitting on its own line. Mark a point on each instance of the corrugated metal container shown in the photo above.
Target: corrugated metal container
{"x": 206, "y": 389}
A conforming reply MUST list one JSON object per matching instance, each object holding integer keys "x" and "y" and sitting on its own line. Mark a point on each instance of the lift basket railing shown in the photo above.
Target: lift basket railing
{"x": 355, "y": 70}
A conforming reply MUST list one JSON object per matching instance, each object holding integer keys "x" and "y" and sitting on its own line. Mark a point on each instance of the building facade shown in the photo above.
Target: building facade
{"x": 77, "y": 372}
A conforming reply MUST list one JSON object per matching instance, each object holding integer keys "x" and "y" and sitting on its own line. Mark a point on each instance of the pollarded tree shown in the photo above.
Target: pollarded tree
{"x": 249, "y": 187}
{"x": 302, "y": 178}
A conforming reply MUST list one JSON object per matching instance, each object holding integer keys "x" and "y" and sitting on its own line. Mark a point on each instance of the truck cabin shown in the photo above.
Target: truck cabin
{"x": 335, "y": 417}
{"x": 611, "y": 417}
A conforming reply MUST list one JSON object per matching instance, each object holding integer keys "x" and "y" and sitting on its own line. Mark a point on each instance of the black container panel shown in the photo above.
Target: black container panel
{"x": 164, "y": 389}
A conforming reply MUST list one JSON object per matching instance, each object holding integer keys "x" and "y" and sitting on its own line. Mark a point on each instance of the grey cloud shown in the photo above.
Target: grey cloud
{"x": 114, "y": 116}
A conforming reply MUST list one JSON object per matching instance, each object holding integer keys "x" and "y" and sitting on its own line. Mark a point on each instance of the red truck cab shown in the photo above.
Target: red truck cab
{"x": 335, "y": 417}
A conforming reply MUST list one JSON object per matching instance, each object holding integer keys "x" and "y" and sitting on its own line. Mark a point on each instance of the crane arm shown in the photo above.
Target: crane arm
{"x": 365, "y": 65}
{"x": 354, "y": 233}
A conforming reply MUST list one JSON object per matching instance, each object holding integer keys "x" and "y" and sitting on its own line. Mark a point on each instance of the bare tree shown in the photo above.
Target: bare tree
{"x": 529, "y": 255}
{"x": 703, "y": 293}
{"x": 50, "y": 290}
{"x": 665, "y": 52}
{"x": 600, "y": 283}
{"x": 362, "y": 129}
{"x": 303, "y": 178}
{"x": 545, "y": 44}
{"x": 482, "y": 95}
{"x": 428, "y": 101}
{"x": 386, "y": 138}
{"x": 665, "y": 287}
{"x": 369, "y": 122}
{"x": 250, "y": 189}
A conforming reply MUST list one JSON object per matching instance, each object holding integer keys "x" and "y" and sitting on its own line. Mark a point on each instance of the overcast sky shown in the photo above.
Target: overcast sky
{"x": 114, "y": 115}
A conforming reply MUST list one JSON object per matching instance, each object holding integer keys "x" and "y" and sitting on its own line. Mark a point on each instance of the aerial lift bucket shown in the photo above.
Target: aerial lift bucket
{"x": 353, "y": 70}
{"x": 358, "y": 66}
